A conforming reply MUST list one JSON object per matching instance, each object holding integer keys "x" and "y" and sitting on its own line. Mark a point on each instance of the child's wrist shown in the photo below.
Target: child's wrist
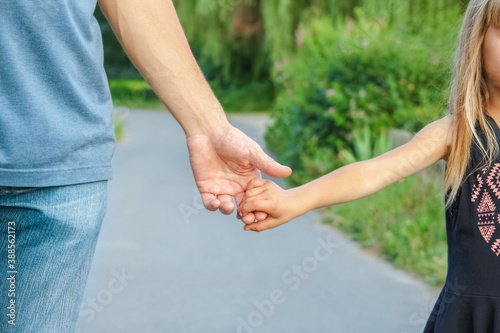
{"x": 300, "y": 203}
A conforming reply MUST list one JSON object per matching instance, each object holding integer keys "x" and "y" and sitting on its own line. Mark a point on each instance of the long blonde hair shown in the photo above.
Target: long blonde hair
{"x": 469, "y": 94}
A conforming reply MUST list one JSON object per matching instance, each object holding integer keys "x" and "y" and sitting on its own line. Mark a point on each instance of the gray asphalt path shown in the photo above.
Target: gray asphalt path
{"x": 163, "y": 264}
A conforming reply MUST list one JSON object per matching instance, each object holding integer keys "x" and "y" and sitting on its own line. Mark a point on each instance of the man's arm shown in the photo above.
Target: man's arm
{"x": 223, "y": 159}
{"x": 153, "y": 39}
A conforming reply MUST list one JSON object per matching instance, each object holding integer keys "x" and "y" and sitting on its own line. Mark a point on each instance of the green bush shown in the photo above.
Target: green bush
{"x": 347, "y": 76}
{"x": 366, "y": 145}
{"x": 403, "y": 222}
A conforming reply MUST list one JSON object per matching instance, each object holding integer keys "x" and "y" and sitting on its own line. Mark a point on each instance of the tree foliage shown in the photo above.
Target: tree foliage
{"x": 241, "y": 36}
{"x": 237, "y": 41}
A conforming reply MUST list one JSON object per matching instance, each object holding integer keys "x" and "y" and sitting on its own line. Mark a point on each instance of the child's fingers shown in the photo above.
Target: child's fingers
{"x": 254, "y": 192}
{"x": 261, "y": 225}
{"x": 245, "y": 218}
{"x": 256, "y": 205}
{"x": 256, "y": 183}
{"x": 249, "y": 195}
{"x": 248, "y": 218}
{"x": 260, "y": 216}
{"x": 251, "y": 217}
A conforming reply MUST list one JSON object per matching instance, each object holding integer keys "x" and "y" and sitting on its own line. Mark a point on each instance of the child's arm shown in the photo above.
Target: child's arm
{"x": 351, "y": 182}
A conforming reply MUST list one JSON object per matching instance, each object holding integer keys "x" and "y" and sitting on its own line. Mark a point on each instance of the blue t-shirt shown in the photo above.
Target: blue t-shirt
{"x": 56, "y": 123}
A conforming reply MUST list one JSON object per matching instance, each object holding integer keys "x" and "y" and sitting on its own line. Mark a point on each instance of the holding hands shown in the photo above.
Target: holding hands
{"x": 224, "y": 162}
{"x": 280, "y": 205}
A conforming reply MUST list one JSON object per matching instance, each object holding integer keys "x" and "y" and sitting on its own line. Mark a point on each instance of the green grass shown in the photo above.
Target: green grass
{"x": 404, "y": 222}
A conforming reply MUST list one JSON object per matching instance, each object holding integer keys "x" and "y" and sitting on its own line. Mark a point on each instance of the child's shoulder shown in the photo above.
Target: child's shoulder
{"x": 446, "y": 120}
{"x": 444, "y": 123}
{"x": 439, "y": 130}
{"x": 437, "y": 136}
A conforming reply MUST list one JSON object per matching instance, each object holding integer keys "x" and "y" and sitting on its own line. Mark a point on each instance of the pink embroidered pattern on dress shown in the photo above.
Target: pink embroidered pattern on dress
{"x": 477, "y": 188}
{"x": 484, "y": 193}
{"x": 493, "y": 179}
{"x": 496, "y": 247}
{"x": 487, "y": 231}
{"x": 486, "y": 218}
{"x": 486, "y": 204}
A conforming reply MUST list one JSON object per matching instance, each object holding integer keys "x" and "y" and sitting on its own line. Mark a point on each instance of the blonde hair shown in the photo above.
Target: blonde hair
{"x": 469, "y": 95}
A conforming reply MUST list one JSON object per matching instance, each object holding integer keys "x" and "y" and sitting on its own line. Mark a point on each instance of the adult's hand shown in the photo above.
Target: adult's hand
{"x": 224, "y": 161}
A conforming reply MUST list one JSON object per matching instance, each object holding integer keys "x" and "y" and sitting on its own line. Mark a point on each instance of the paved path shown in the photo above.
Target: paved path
{"x": 163, "y": 264}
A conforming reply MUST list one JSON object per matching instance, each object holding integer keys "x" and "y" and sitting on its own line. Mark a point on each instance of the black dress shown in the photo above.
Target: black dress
{"x": 470, "y": 299}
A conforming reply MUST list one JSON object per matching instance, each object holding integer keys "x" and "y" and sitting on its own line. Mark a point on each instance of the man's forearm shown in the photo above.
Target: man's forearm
{"x": 152, "y": 37}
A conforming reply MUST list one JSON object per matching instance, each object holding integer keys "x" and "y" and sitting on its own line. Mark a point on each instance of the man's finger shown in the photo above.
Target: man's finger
{"x": 270, "y": 167}
{"x": 226, "y": 204}
{"x": 238, "y": 198}
{"x": 210, "y": 201}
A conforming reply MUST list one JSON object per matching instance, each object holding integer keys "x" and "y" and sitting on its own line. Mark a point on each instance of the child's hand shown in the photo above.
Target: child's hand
{"x": 265, "y": 196}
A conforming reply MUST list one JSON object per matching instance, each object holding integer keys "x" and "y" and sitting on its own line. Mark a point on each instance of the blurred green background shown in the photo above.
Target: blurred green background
{"x": 343, "y": 80}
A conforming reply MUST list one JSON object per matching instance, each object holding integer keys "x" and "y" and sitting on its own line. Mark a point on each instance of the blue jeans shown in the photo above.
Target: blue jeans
{"x": 47, "y": 241}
